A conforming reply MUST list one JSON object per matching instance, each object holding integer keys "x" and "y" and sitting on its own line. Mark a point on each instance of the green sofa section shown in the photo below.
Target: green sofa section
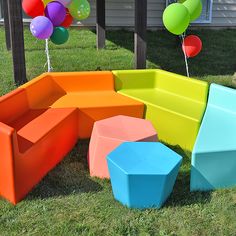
{"x": 175, "y": 104}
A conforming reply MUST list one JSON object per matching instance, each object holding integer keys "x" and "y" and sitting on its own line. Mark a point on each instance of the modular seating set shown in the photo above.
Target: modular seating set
{"x": 41, "y": 121}
{"x": 142, "y": 171}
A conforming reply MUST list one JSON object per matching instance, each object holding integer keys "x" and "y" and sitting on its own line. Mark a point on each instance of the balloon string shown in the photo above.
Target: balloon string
{"x": 185, "y": 56}
{"x": 48, "y": 63}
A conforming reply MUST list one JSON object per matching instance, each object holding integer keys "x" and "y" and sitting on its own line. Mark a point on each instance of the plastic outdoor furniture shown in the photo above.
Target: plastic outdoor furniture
{"x": 41, "y": 121}
{"x": 143, "y": 173}
{"x": 214, "y": 154}
{"x": 32, "y": 142}
{"x": 110, "y": 133}
{"x": 92, "y": 93}
{"x": 174, "y": 104}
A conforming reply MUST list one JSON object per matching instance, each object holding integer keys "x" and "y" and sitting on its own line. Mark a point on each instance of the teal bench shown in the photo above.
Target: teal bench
{"x": 214, "y": 153}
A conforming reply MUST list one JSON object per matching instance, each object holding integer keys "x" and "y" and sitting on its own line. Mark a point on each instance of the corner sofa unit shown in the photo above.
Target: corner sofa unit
{"x": 41, "y": 121}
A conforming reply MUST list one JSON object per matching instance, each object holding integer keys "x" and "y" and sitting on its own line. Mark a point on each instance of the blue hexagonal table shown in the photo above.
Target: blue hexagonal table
{"x": 143, "y": 174}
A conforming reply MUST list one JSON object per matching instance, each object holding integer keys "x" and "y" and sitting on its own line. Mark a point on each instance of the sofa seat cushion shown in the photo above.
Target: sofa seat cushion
{"x": 94, "y": 99}
{"x": 169, "y": 101}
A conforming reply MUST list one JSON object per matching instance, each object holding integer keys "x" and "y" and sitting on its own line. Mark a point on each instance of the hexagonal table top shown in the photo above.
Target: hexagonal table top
{"x": 125, "y": 128}
{"x": 138, "y": 158}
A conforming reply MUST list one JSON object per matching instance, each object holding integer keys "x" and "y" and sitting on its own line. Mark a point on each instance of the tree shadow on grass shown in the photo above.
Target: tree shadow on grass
{"x": 72, "y": 177}
{"x": 163, "y": 51}
{"x": 69, "y": 177}
{"x": 181, "y": 195}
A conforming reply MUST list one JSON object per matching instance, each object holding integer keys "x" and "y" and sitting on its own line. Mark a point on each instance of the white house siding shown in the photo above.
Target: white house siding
{"x": 120, "y": 13}
{"x": 224, "y": 13}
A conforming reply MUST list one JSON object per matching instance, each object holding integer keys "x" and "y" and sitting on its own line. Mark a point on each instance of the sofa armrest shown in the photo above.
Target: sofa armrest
{"x": 7, "y": 162}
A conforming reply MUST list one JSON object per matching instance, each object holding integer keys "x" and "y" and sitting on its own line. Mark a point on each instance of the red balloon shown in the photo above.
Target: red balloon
{"x": 68, "y": 20}
{"x": 33, "y": 8}
{"x": 192, "y": 45}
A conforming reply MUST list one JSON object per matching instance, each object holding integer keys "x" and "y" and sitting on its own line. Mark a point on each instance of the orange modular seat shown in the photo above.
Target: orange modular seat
{"x": 41, "y": 121}
{"x": 32, "y": 142}
{"x": 92, "y": 93}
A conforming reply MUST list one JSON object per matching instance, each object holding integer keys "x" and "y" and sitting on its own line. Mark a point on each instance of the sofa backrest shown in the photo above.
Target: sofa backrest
{"x": 163, "y": 80}
{"x": 84, "y": 81}
{"x": 134, "y": 79}
{"x": 13, "y": 105}
{"x": 181, "y": 85}
{"x": 222, "y": 97}
{"x": 41, "y": 90}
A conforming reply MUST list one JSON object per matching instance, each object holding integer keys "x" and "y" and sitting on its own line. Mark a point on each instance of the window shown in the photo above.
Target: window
{"x": 206, "y": 15}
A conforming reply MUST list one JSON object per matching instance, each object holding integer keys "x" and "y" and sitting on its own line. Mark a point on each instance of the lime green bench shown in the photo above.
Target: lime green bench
{"x": 174, "y": 104}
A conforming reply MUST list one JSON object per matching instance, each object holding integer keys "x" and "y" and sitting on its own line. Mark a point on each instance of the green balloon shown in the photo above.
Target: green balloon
{"x": 194, "y": 7}
{"x": 176, "y": 18}
{"x": 80, "y": 9}
{"x": 60, "y": 35}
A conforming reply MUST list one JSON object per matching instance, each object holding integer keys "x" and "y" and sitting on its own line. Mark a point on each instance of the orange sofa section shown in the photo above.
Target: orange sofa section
{"x": 92, "y": 93}
{"x": 29, "y": 141}
{"x": 41, "y": 121}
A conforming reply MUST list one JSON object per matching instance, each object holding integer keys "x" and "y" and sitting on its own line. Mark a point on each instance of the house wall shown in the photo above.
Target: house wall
{"x": 224, "y": 13}
{"x": 120, "y": 13}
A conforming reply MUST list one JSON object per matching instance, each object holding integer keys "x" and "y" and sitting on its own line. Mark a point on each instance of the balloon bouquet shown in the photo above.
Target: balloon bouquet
{"x": 176, "y": 19}
{"x": 52, "y": 18}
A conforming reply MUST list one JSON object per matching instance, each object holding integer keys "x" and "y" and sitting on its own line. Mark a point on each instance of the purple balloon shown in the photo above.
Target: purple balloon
{"x": 56, "y": 12}
{"x": 41, "y": 27}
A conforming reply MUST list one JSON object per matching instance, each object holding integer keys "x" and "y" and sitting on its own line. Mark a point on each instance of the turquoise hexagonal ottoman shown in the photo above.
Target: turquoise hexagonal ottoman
{"x": 143, "y": 174}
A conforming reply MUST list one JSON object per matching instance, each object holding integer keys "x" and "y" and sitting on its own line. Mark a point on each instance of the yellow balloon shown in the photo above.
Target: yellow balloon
{"x": 65, "y": 3}
{"x": 46, "y": 2}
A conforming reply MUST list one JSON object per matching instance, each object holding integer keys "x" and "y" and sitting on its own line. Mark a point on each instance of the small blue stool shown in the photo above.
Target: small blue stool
{"x": 143, "y": 173}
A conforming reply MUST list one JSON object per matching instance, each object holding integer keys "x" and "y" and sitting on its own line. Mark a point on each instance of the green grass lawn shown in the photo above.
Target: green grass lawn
{"x": 68, "y": 201}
